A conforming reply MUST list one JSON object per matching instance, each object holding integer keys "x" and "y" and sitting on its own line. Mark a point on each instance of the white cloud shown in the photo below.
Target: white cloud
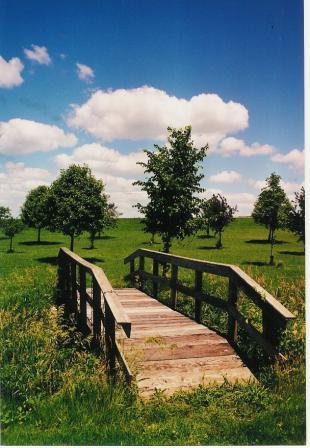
{"x": 85, "y": 73}
{"x": 226, "y": 177}
{"x": 295, "y": 159}
{"x": 146, "y": 112}
{"x": 104, "y": 160}
{"x": 10, "y": 72}
{"x": 232, "y": 146}
{"x": 38, "y": 54}
{"x": 289, "y": 187}
{"x": 243, "y": 200}
{"x": 18, "y": 136}
{"x": 15, "y": 182}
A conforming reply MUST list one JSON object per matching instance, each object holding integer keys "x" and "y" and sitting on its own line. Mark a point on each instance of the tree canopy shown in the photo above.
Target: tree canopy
{"x": 172, "y": 185}
{"x": 272, "y": 206}
{"x": 77, "y": 201}
{"x": 35, "y": 210}
{"x": 221, "y": 214}
{"x": 296, "y": 216}
{"x": 11, "y": 226}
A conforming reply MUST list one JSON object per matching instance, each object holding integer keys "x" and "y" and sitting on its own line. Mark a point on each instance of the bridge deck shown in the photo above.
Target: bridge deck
{"x": 168, "y": 351}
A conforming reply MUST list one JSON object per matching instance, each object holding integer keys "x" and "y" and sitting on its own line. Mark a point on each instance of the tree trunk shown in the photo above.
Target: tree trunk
{"x": 99, "y": 234}
{"x": 39, "y": 235}
{"x": 269, "y": 235}
{"x": 92, "y": 239}
{"x": 11, "y": 244}
{"x": 208, "y": 229}
{"x": 219, "y": 243}
{"x": 71, "y": 242}
{"x": 271, "y": 261}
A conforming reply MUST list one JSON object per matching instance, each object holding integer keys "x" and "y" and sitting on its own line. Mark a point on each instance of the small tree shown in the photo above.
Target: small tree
{"x": 205, "y": 215}
{"x": 11, "y": 227}
{"x": 109, "y": 220}
{"x": 5, "y": 213}
{"x": 271, "y": 209}
{"x": 296, "y": 216}
{"x": 221, "y": 214}
{"x": 35, "y": 212}
{"x": 173, "y": 182}
{"x": 77, "y": 202}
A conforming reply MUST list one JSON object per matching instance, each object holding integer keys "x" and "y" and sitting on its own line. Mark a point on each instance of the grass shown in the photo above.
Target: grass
{"x": 55, "y": 391}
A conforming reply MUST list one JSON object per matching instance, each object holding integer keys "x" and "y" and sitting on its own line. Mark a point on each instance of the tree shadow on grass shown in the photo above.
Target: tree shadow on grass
{"x": 208, "y": 248}
{"x": 205, "y": 237}
{"x": 287, "y": 252}
{"x": 48, "y": 260}
{"x": 42, "y": 243}
{"x": 256, "y": 263}
{"x": 265, "y": 242}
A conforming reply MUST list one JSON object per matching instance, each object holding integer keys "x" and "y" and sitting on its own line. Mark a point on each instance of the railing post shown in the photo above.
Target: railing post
{"x": 198, "y": 289}
{"x": 232, "y": 326}
{"x": 132, "y": 271}
{"x": 273, "y": 327}
{"x": 83, "y": 305}
{"x": 173, "y": 290}
{"x": 155, "y": 284}
{"x": 62, "y": 280}
{"x": 141, "y": 269}
{"x": 73, "y": 302}
{"x": 96, "y": 311}
{"x": 109, "y": 325}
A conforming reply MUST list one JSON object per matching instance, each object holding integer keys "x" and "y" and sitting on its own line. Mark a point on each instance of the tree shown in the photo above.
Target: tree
{"x": 5, "y": 213}
{"x": 271, "y": 208}
{"x": 11, "y": 227}
{"x": 296, "y": 216}
{"x": 205, "y": 215}
{"x": 35, "y": 212}
{"x": 173, "y": 181}
{"x": 109, "y": 220}
{"x": 77, "y": 202}
{"x": 221, "y": 214}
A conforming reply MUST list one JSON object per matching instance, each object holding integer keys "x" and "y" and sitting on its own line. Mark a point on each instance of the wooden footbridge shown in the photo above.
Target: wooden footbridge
{"x": 155, "y": 345}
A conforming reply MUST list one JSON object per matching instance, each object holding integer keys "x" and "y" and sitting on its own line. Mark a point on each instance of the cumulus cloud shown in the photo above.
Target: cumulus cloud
{"x": 232, "y": 146}
{"x": 226, "y": 177}
{"x": 18, "y": 136}
{"x": 15, "y": 182}
{"x": 288, "y": 187}
{"x": 295, "y": 159}
{"x": 38, "y": 54}
{"x": 10, "y": 72}
{"x": 85, "y": 73}
{"x": 146, "y": 112}
{"x": 104, "y": 160}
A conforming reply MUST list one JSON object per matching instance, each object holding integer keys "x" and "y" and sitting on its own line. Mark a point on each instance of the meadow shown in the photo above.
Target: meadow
{"x": 55, "y": 390}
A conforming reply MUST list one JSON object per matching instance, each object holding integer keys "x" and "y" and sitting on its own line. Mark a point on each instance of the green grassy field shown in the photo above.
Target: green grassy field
{"x": 55, "y": 391}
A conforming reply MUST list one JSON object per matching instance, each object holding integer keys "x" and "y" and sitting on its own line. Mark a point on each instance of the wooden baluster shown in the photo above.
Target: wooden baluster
{"x": 83, "y": 303}
{"x": 73, "y": 295}
{"x": 61, "y": 283}
{"x": 109, "y": 325}
{"x": 155, "y": 284}
{"x": 198, "y": 290}
{"x": 173, "y": 290}
{"x": 96, "y": 311}
{"x": 232, "y": 325}
{"x": 132, "y": 271}
{"x": 141, "y": 270}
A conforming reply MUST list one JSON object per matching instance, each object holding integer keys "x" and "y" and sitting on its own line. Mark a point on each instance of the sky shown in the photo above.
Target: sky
{"x": 96, "y": 82}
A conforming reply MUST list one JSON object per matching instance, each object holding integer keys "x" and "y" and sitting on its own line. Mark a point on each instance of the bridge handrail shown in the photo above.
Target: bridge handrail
{"x": 275, "y": 315}
{"x": 113, "y": 313}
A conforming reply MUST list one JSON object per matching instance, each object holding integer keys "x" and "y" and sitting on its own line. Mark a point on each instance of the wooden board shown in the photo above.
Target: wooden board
{"x": 169, "y": 351}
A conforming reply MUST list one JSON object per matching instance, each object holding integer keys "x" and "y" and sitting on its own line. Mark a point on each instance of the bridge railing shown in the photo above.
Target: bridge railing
{"x": 81, "y": 283}
{"x": 274, "y": 315}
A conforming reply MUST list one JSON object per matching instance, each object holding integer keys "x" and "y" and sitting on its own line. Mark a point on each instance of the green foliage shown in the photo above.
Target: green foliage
{"x": 108, "y": 221}
{"x": 4, "y": 214}
{"x": 296, "y": 216}
{"x": 35, "y": 211}
{"x": 77, "y": 202}
{"x": 221, "y": 214}
{"x": 173, "y": 182}
{"x": 204, "y": 215}
{"x": 11, "y": 226}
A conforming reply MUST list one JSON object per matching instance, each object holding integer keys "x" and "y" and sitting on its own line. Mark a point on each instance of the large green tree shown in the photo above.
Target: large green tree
{"x": 35, "y": 210}
{"x": 221, "y": 214}
{"x": 172, "y": 186}
{"x": 77, "y": 201}
{"x": 296, "y": 216}
{"x": 272, "y": 208}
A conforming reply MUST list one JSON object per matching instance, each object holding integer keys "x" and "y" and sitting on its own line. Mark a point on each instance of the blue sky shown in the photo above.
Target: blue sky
{"x": 231, "y": 68}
